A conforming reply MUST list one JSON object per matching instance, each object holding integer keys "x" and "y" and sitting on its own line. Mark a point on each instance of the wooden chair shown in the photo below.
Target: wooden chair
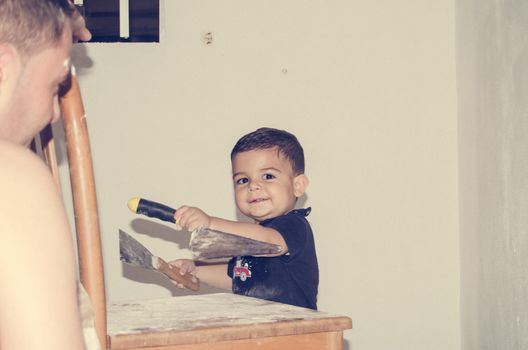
{"x": 216, "y": 321}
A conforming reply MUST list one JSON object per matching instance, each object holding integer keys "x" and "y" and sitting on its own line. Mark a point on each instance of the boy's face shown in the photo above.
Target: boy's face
{"x": 265, "y": 186}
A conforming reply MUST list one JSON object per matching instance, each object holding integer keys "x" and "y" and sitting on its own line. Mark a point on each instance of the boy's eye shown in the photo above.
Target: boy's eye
{"x": 268, "y": 176}
{"x": 242, "y": 180}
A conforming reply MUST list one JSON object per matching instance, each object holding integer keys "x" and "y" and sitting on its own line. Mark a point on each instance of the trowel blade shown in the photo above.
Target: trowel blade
{"x": 134, "y": 253}
{"x": 210, "y": 244}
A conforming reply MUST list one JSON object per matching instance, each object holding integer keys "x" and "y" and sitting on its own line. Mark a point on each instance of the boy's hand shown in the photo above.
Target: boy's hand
{"x": 185, "y": 266}
{"x": 191, "y": 218}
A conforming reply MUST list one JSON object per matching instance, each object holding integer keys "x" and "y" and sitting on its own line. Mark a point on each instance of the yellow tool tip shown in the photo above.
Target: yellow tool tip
{"x": 133, "y": 204}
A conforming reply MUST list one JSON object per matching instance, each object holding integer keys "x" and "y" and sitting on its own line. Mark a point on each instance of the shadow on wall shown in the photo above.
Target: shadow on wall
{"x": 162, "y": 231}
{"x": 80, "y": 59}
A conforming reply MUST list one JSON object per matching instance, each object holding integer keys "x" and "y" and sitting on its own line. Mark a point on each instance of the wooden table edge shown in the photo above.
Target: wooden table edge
{"x": 227, "y": 333}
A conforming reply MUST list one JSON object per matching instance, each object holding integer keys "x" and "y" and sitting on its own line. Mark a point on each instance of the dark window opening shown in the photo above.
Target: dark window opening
{"x": 103, "y": 20}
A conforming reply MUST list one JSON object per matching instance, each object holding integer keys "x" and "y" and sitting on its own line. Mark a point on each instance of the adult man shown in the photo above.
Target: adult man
{"x": 38, "y": 299}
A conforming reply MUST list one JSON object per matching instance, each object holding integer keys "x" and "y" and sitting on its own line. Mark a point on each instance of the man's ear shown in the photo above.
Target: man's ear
{"x": 10, "y": 66}
{"x": 4, "y": 60}
{"x": 300, "y": 183}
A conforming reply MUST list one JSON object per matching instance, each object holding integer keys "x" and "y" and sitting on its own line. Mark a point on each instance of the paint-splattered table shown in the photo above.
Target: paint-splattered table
{"x": 221, "y": 321}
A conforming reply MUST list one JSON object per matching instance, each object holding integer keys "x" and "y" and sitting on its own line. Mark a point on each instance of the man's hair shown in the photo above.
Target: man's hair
{"x": 32, "y": 25}
{"x": 265, "y": 138}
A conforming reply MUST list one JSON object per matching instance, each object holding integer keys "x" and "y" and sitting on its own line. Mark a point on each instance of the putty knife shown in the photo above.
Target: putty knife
{"x": 134, "y": 253}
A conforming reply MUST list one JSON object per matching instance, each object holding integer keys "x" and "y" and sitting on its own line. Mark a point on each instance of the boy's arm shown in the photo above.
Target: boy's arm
{"x": 192, "y": 218}
{"x": 250, "y": 230}
{"x": 214, "y": 275}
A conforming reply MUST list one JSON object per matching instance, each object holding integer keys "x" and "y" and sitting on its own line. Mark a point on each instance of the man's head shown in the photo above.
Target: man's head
{"x": 268, "y": 173}
{"x": 31, "y": 25}
{"x": 35, "y": 43}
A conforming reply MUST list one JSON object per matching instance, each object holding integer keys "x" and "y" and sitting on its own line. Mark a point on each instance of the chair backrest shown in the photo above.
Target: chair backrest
{"x": 84, "y": 198}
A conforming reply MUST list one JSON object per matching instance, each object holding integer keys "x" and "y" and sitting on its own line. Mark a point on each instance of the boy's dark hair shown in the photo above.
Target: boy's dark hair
{"x": 31, "y": 25}
{"x": 265, "y": 138}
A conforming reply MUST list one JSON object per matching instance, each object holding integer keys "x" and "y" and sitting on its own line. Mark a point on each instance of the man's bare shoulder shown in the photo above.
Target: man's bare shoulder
{"x": 20, "y": 164}
{"x": 28, "y": 191}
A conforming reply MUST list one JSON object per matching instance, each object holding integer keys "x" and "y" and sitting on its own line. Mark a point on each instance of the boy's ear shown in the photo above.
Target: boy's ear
{"x": 300, "y": 183}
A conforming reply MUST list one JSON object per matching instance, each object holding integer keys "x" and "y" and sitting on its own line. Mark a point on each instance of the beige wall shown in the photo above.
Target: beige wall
{"x": 492, "y": 62}
{"x": 369, "y": 89}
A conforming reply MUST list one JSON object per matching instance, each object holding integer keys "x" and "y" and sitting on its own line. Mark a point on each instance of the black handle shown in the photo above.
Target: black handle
{"x": 156, "y": 210}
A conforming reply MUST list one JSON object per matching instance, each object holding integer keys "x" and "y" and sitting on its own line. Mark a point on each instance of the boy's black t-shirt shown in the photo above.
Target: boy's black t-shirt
{"x": 292, "y": 278}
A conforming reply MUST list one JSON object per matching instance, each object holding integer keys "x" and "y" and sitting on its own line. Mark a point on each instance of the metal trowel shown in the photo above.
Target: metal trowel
{"x": 134, "y": 253}
{"x": 205, "y": 243}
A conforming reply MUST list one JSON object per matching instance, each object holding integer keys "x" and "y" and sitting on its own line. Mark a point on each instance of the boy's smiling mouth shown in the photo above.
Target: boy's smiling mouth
{"x": 257, "y": 200}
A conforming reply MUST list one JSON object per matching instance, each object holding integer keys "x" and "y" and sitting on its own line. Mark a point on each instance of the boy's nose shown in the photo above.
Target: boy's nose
{"x": 254, "y": 185}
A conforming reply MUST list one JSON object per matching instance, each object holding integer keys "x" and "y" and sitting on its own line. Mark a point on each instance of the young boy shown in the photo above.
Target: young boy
{"x": 268, "y": 175}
